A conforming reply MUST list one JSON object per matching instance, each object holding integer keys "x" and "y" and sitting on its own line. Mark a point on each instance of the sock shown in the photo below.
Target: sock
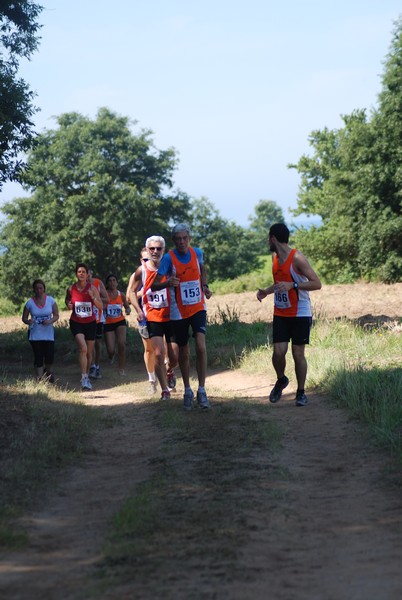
{"x": 282, "y": 379}
{"x": 201, "y": 389}
{"x": 151, "y": 376}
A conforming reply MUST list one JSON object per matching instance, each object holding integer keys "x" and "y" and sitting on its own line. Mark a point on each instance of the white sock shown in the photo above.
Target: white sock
{"x": 151, "y": 376}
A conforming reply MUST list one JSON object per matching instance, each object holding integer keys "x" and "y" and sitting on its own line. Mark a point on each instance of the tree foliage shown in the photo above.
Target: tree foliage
{"x": 18, "y": 39}
{"x": 230, "y": 249}
{"x": 98, "y": 190}
{"x": 354, "y": 182}
{"x": 266, "y": 213}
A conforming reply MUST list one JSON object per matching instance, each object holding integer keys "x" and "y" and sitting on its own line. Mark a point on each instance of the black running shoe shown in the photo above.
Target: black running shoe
{"x": 276, "y": 391}
{"x": 301, "y": 399}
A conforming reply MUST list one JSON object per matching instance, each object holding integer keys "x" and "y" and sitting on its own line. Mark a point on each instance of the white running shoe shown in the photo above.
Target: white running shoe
{"x": 86, "y": 385}
{"x": 152, "y": 387}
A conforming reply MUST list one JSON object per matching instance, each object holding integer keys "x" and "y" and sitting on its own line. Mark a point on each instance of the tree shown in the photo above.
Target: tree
{"x": 18, "y": 39}
{"x": 354, "y": 182}
{"x": 267, "y": 212}
{"x": 98, "y": 191}
{"x": 230, "y": 249}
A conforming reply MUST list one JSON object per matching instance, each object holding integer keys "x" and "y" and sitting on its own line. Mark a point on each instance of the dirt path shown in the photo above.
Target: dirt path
{"x": 331, "y": 530}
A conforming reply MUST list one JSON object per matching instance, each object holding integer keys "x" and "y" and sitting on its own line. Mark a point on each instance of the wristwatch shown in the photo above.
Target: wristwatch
{"x": 295, "y": 285}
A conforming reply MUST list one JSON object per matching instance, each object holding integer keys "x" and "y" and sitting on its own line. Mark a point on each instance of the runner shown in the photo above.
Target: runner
{"x": 81, "y": 298}
{"x": 155, "y": 309}
{"x": 40, "y": 312}
{"x": 294, "y": 278}
{"x": 94, "y": 371}
{"x": 115, "y": 325}
{"x": 183, "y": 271}
{"x": 149, "y": 352}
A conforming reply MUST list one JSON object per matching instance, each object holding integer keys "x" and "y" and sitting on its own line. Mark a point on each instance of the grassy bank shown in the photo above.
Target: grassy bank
{"x": 42, "y": 430}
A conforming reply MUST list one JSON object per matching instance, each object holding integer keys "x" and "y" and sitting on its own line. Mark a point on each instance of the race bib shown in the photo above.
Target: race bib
{"x": 39, "y": 320}
{"x": 158, "y": 299}
{"x": 190, "y": 292}
{"x": 83, "y": 310}
{"x": 114, "y": 311}
{"x": 282, "y": 300}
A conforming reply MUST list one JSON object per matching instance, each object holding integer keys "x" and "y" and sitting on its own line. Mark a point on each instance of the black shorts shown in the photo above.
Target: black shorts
{"x": 198, "y": 323}
{"x": 296, "y": 329}
{"x": 113, "y": 326}
{"x": 99, "y": 330}
{"x": 157, "y": 329}
{"x": 87, "y": 329}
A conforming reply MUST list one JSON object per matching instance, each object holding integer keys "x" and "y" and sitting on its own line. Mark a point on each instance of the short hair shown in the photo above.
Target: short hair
{"x": 280, "y": 231}
{"x": 153, "y": 239}
{"x": 179, "y": 228}
{"x": 81, "y": 264}
{"x": 39, "y": 281}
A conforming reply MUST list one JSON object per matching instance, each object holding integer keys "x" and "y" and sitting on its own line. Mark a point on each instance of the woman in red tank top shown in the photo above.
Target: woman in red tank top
{"x": 81, "y": 297}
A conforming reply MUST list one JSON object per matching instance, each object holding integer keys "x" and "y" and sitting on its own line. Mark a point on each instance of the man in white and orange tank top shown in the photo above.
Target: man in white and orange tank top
{"x": 183, "y": 272}
{"x": 294, "y": 278}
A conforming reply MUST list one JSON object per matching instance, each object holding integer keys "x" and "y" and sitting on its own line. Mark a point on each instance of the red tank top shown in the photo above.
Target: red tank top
{"x": 83, "y": 305}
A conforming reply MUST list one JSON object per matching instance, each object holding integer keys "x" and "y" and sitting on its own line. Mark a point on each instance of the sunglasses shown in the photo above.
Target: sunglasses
{"x": 155, "y": 249}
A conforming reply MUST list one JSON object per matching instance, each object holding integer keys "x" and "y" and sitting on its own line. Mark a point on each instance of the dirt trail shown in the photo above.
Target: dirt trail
{"x": 330, "y": 529}
{"x": 333, "y": 530}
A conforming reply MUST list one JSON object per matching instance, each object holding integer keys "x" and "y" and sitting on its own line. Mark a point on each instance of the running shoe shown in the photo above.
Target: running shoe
{"x": 152, "y": 387}
{"x": 171, "y": 379}
{"x": 276, "y": 391}
{"x": 98, "y": 374}
{"x": 202, "y": 400}
{"x": 165, "y": 395}
{"x": 188, "y": 400}
{"x": 86, "y": 384}
{"x": 301, "y": 399}
{"x": 92, "y": 372}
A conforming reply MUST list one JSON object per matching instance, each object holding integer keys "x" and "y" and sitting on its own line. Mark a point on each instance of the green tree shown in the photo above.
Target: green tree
{"x": 267, "y": 212}
{"x": 353, "y": 181}
{"x": 18, "y": 39}
{"x": 98, "y": 191}
{"x": 229, "y": 248}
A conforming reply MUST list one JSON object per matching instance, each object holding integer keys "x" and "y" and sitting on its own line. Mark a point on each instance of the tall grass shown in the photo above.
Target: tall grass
{"x": 42, "y": 429}
{"x": 359, "y": 368}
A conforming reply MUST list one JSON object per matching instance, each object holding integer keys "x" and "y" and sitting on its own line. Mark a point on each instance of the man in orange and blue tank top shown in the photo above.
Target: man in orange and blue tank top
{"x": 294, "y": 278}
{"x": 182, "y": 271}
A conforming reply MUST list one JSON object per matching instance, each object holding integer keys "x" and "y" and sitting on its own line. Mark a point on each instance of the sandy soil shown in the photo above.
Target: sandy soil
{"x": 333, "y": 531}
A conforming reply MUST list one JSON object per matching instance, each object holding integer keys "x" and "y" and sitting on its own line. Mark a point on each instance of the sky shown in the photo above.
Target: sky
{"x": 235, "y": 86}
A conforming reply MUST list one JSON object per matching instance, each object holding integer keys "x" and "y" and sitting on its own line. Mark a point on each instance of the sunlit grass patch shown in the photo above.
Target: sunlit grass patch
{"x": 42, "y": 429}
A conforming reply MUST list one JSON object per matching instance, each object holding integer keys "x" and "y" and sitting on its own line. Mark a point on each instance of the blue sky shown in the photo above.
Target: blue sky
{"x": 235, "y": 87}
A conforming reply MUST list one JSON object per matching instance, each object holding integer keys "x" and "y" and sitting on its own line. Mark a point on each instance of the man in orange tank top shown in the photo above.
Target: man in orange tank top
{"x": 294, "y": 278}
{"x": 183, "y": 272}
